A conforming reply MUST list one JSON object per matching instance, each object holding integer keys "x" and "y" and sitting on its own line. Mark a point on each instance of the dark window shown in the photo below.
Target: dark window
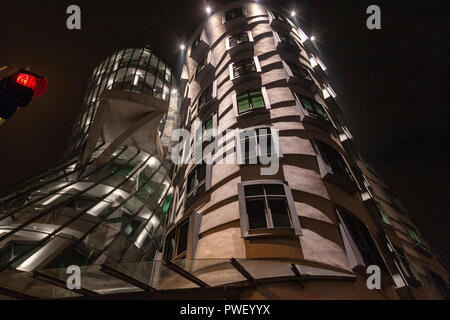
{"x": 334, "y": 159}
{"x": 15, "y": 249}
{"x": 419, "y": 244}
{"x": 279, "y": 16}
{"x": 440, "y": 285}
{"x": 250, "y": 100}
{"x": 288, "y": 42}
{"x": 404, "y": 265}
{"x": 363, "y": 240}
{"x": 267, "y": 206}
{"x": 72, "y": 257}
{"x": 300, "y": 72}
{"x": 201, "y": 66}
{"x": 81, "y": 203}
{"x": 196, "y": 181}
{"x": 197, "y": 41}
{"x": 238, "y": 39}
{"x": 176, "y": 243}
{"x": 255, "y": 143}
{"x": 313, "y": 107}
{"x": 243, "y": 67}
{"x": 233, "y": 14}
{"x": 205, "y": 97}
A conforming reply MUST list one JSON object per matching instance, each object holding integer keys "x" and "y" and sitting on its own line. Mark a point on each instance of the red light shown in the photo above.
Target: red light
{"x": 37, "y": 84}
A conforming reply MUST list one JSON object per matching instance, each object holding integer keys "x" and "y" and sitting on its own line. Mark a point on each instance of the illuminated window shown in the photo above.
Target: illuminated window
{"x": 250, "y": 101}
{"x": 313, "y": 107}
{"x": 383, "y": 215}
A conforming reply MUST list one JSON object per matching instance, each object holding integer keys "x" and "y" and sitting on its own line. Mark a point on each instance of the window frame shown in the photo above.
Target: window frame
{"x": 230, "y": 21}
{"x": 246, "y": 75}
{"x": 201, "y": 108}
{"x": 194, "y": 223}
{"x": 235, "y": 102}
{"x": 274, "y": 135}
{"x": 344, "y": 180}
{"x": 191, "y": 196}
{"x": 353, "y": 251}
{"x": 418, "y": 245}
{"x": 250, "y": 41}
{"x": 293, "y": 216}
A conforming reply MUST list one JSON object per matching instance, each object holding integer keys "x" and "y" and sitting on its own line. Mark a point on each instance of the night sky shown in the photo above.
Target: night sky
{"x": 392, "y": 84}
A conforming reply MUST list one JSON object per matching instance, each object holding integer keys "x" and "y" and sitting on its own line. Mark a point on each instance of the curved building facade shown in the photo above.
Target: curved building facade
{"x": 107, "y": 202}
{"x": 254, "y": 86}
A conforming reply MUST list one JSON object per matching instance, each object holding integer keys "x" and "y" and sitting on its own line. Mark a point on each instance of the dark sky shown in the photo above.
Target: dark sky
{"x": 393, "y": 84}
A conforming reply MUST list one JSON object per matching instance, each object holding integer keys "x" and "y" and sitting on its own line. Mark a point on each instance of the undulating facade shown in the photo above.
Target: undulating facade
{"x": 254, "y": 80}
{"x": 237, "y": 180}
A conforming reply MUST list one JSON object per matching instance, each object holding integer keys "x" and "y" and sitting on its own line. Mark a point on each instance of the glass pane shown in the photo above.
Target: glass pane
{"x": 256, "y": 214}
{"x": 201, "y": 173}
{"x": 257, "y": 100}
{"x": 170, "y": 246}
{"x": 191, "y": 182}
{"x": 183, "y": 237}
{"x": 280, "y": 213}
{"x": 320, "y": 110}
{"x": 243, "y": 103}
{"x": 254, "y": 190}
{"x": 308, "y": 106}
{"x": 274, "y": 189}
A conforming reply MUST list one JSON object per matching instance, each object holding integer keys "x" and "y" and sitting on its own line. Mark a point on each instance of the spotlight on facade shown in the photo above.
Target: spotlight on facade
{"x": 313, "y": 38}
{"x": 182, "y": 47}
{"x": 208, "y": 9}
{"x": 293, "y": 13}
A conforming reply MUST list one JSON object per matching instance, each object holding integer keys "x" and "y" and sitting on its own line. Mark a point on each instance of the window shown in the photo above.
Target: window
{"x": 359, "y": 244}
{"x": 404, "y": 266}
{"x": 418, "y": 243}
{"x": 267, "y": 205}
{"x": 238, "y": 39}
{"x": 200, "y": 66}
{"x": 233, "y": 14}
{"x": 72, "y": 257}
{"x": 206, "y": 131}
{"x": 333, "y": 158}
{"x": 254, "y": 143}
{"x": 205, "y": 97}
{"x": 439, "y": 285}
{"x": 300, "y": 72}
{"x": 243, "y": 67}
{"x": 383, "y": 216}
{"x": 15, "y": 249}
{"x": 176, "y": 243}
{"x": 197, "y": 41}
{"x": 198, "y": 182}
{"x": 288, "y": 42}
{"x": 313, "y": 107}
{"x": 278, "y": 16}
{"x": 250, "y": 101}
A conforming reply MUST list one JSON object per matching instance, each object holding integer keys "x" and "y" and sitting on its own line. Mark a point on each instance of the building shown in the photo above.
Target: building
{"x": 107, "y": 201}
{"x": 270, "y": 201}
{"x": 324, "y": 215}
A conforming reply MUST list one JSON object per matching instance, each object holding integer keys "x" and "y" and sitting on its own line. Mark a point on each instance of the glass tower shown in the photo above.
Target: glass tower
{"x": 88, "y": 210}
